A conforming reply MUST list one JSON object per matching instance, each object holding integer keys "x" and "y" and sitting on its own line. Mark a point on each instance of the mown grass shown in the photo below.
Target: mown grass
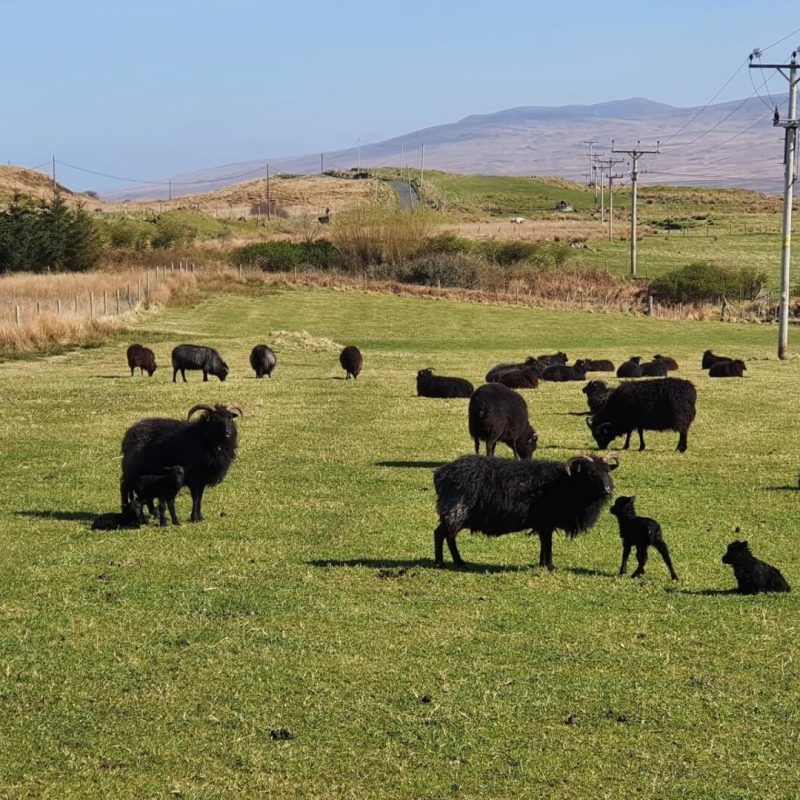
{"x": 155, "y": 662}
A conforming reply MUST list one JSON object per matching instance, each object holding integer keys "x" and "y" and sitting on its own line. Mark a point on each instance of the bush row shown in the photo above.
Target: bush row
{"x": 706, "y": 282}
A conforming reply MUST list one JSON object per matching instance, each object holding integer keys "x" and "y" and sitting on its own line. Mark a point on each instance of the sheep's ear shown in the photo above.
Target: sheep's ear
{"x": 745, "y": 544}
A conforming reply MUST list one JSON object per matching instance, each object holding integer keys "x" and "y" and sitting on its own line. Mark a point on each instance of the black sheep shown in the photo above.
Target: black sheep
{"x": 709, "y": 359}
{"x": 498, "y": 414}
{"x": 598, "y": 365}
{"x": 163, "y": 487}
{"x": 597, "y": 392}
{"x": 657, "y": 368}
{"x": 205, "y": 448}
{"x": 263, "y": 360}
{"x": 554, "y": 359}
{"x": 130, "y": 518}
{"x": 519, "y": 378}
{"x": 561, "y": 372}
{"x": 666, "y": 404}
{"x": 430, "y": 385}
{"x": 197, "y": 357}
{"x": 352, "y": 361}
{"x": 727, "y": 369}
{"x": 641, "y": 533}
{"x": 496, "y": 496}
{"x": 752, "y": 575}
{"x": 671, "y": 363}
{"x": 531, "y": 362}
{"x": 143, "y": 358}
{"x": 630, "y": 368}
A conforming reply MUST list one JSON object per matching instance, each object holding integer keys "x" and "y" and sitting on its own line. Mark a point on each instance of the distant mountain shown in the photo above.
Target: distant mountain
{"x": 727, "y": 144}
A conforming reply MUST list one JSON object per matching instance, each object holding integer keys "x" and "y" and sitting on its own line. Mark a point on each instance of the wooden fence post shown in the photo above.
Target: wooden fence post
{"x": 105, "y": 302}
{"x": 38, "y": 307}
{"x": 59, "y": 306}
{"x": 139, "y": 289}
{"x": 117, "y": 301}
{"x": 649, "y": 305}
{"x": 91, "y": 304}
{"x": 76, "y": 304}
{"x": 16, "y": 311}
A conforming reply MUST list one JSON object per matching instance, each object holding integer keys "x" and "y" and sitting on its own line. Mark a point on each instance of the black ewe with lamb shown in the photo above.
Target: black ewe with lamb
{"x": 143, "y": 358}
{"x": 496, "y": 496}
{"x": 519, "y": 378}
{"x": 561, "y": 372}
{"x": 197, "y": 357}
{"x": 641, "y": 533}
{"x": 499, "y": 414}
{"x": 204, "y": 447}
{"x": 530, "y": 362}
{"x": 430, "y": 385}
{"x": 657, "y": 368}
{"x": 666, "y": 404}
{"x": 752, "y": 575}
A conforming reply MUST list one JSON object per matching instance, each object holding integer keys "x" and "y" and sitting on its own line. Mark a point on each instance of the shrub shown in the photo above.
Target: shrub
{"x": 703, "y": 281}
{"x": 463, "y": 270}
{"x": 287, "y": 256}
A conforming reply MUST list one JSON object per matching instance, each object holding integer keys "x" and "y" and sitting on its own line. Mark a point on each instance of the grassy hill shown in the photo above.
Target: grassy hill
{"x": 156, "y": 662}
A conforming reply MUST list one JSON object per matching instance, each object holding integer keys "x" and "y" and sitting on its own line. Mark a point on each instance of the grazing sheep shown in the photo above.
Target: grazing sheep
{"x": 164, "y": 488}
{"x": 752, "y": 575}
{"x": 499, "y": 414}
{"x": 671, "y": 363}
{"x": 728, "y": 369}
{"x": 197, "y": 356}
{"x": 641, "y": 533}
{"x": 657, "y": 368}
{"x": 496, "y": 496}
{"x": 630, "y": 368}
{"x": 709, "y": 359}
{"x": 601, "y": 365}
{"x": 430, "y": 385}
{"x": 519, "y": 378}
{"x": 352, "y": 361}
{"x": 666, "y": 404}
{"x": 530, "y": 361}
{"x": 143, "y": 358}
{"x": 263, "y": 360}
{"x": 204, "y": 447}
{"x": 597, "y": 392}
{"x": 561, "y": 372}
{"x": 130, "y": 518}
{"x": 555, "y": 358}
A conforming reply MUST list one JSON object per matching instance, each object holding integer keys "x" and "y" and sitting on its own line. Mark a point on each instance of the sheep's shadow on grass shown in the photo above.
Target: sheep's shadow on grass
{"x": 112, "y": 377}
{"x": 423, "y": 563}
{"x": 589, "y": 572}
{"x": 787, "y": 488}
{"x": 701, "y": 592}
{"x": 411, "y": 464}
{"x": 63, "y": 516}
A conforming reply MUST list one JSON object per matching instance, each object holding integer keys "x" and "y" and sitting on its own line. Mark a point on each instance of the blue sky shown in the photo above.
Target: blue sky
{"x": 151, "y": 89}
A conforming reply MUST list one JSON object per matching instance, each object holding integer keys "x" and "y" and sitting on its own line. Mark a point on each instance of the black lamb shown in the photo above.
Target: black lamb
{"x": 499, "y": 414}
{"x": 666, "y": 404}
{"x": 752, "y": 575}
{"x": 630, "y": 368}
{"x": 657, "y": 368}
{"x": 130, "y": 518}
{"x": 671, "y": 363}
{"x": 597, "y": 392}
{"x": 163, "y": 487}
{"x": 641, "y": 533}
{"x": 143, "y": 358}
{"x": 263, "y": 360}
{"x": 727, "y": 369}
{"x": 204, "y": 447}
{"x": 430, "y": 385}
{"x": 561, "y": 372}
{"x": 352, "y": 361}
{"x": 496, "y": 496}
{"x": 709, "y": 359}
{"x": 197, "y": 357}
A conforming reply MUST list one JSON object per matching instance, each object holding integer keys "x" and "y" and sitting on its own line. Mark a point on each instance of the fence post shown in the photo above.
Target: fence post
{"x": 129, "y": 297}
{"x": 147, "y": 283}
{"x": 105, "y": 302}
{"x": 38, "y": 307}
{"x": 59, "y": 306}
{"x": 139, "y": 289}
{"x": 76, "y": 304}
{"x": 16, "y": 311}
{"x": 117, "y": 301}
{"x": 649, "y": 305}
{"x": 91, "y": 304}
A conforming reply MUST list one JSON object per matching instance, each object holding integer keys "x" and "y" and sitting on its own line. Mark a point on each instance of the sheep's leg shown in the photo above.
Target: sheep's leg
{"x": 641, "y": 439}
{"x": 641, "y": 558}
{"x": 197, "y": 502}
{"x": 133, "y": 371}
{"x": 626, "y": 551}
{"x": 175, "y": 375}
{"x": 662, "y": 548}
{"x": 490, "y": 446}
{"x": 183, "y": 374}
{"x": 124, "y": 493}
{"x": 162, "y": 517}
{"x": 477, "y": 446}
{"x": 683, "y": 441}
{"x": 627, "y": 441}
{"x": 451, "y": 544}
{"x": 172, "y": 513}
{"x": 546, "y": 550}
{"x": 205, "y": 377}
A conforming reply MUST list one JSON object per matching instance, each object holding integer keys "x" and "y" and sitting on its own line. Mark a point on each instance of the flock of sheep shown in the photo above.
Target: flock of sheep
{"x": 484, "y": 494}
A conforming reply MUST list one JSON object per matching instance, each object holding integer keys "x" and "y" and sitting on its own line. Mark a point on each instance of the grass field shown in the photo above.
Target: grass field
{"x": 155, "y": 663}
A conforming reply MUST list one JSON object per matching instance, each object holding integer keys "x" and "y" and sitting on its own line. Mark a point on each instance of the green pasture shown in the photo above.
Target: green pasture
{"x": 156, "y": 663}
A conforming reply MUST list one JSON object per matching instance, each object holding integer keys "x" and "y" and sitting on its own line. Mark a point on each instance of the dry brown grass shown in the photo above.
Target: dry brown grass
{"x": 533, "y": 230}
{"x": 32, "y": 183}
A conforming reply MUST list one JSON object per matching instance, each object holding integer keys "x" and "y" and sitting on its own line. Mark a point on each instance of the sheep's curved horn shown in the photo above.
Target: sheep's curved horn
{"x": 590, "y": 423}
{"x": 575, "y": 460}
{"x": 199, "y": 407}
{"x": 612, "y": 461}
{"x": 235, "y": 407}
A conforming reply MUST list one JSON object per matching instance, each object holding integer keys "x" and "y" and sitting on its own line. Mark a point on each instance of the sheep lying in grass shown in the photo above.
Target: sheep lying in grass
{"x": 130, "y": 518}
{"x": 641, "y": 533}
{"x": 727, "y": 369}
{"x": 752, "y": 575}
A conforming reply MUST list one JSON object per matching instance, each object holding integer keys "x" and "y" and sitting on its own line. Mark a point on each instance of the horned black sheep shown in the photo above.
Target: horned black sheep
{"x": 666, "y": 404}
{"x": 728, "y": 369}
{"x": 530, "y": 361}
{"x": 709, "y": 359}
{"x": 197, "y": 356}
{"x": 496, "y": 496}
{"x": 753, "y": 575}
{"x": 597, "y": 392}
{"x": 561, "y": 372}
{"x": 641, "y": 533}
{"x": 598, "y": 365}
{"x": 671, "y": 363}
{"x": 498, "y": 414}
{"x": 630, "y": 368}
{"x": 143, "y": 358}
{"x": 204, "y": 447}
{"x": 263, "y": 360}
{"x": 164, "y": 488}
{"x": 519, "y": 378}
{"x": 554, "y": 359}
{"x": 657, "y": 368}
{"x": 352, "y": 361}
{"x": 130, "y": 518}
{"x": 430, "y": 385}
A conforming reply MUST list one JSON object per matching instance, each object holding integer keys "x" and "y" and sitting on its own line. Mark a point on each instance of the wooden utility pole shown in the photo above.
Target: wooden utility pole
{"x": 609, "y": 166}
{"x": 422, "y": 168}
{"x": 321, "y": 163}
{"x": 635, "y": 154}
{"x": 790, "y": 146}
{"x": 55, "y": 185}
{"x": 269, "y": 198}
